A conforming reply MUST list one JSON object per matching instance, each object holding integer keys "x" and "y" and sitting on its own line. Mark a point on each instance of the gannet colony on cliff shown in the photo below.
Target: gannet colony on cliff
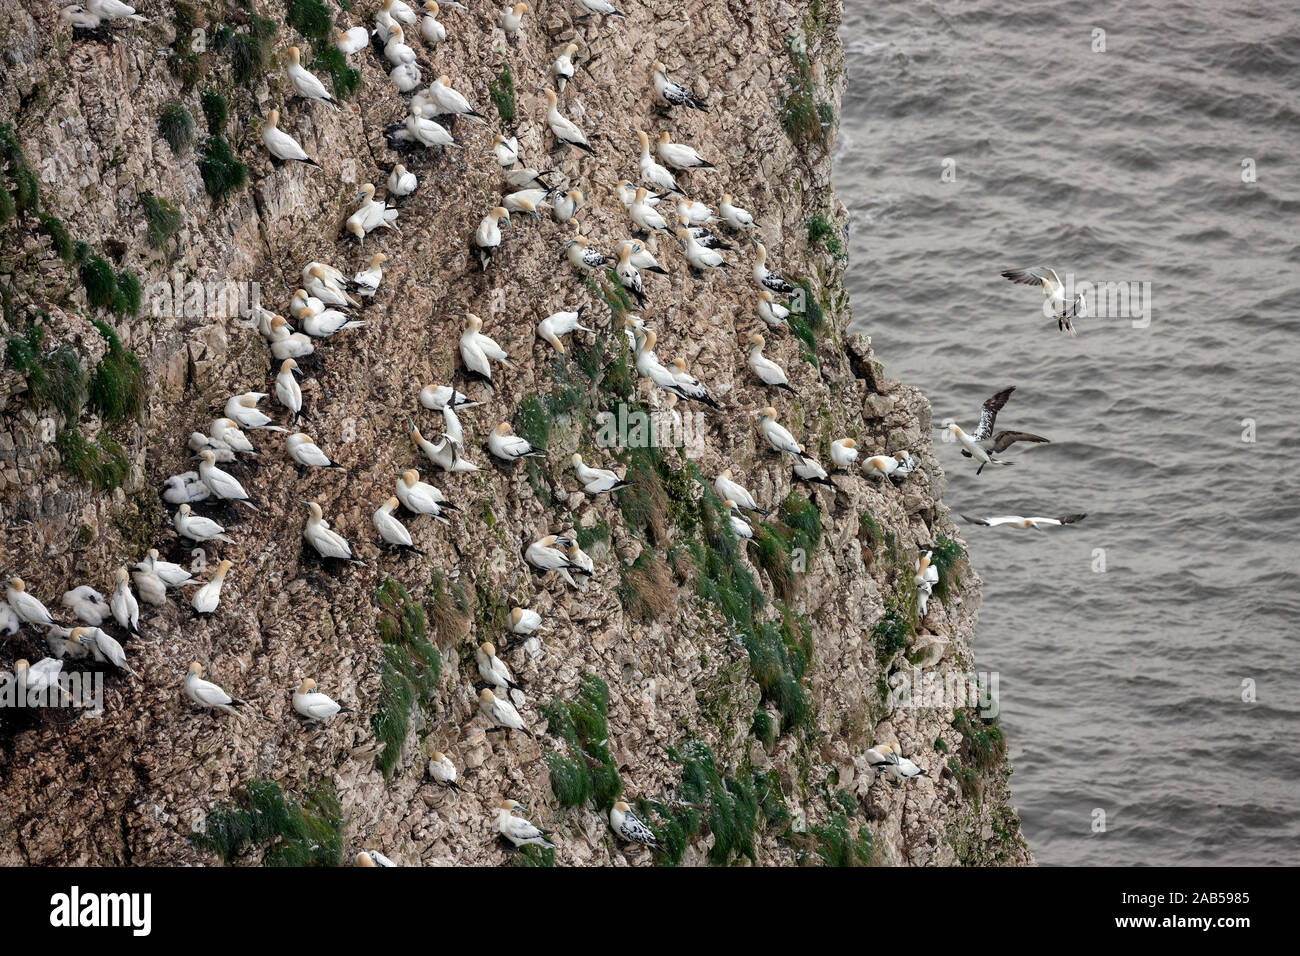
{"x": 681, "y": 215}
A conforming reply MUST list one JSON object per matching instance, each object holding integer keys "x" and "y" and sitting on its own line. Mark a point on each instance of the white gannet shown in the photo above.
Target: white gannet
{"x": 487, "y": 238}
{"x": 670, "y": 93}
{"x": 771, "y": 311}
{"x": 898, "y": 766}
{"x": 207, "y": 598}
{"x": 431, "y": 29}
{"x": 739, "y": 526}
{"x": 451, "y": 427}
{"x": 354, "y": 40}
{"x": 648, "y": 364}
{"x": 629, "y": 276}
{"x": 510, "y": 19}
{"x": 419, "y": 129}
{"x": 562, "y": 68}
{"x": 302, "y": 448}
{"x": 975, "y": 450}
{"x": 444, "y": 453}
{"x": 733, "y": 215}
{"x": 764, "y": 278}
{"x": 314, "y": 705}
{"x": 305, "y": 83}
{"x": 374, "y": 858}
{"x": 102, "y": 646}
{"x": 503, "y": 443}
{"x": 188, "y": 486}
{"x": 392, "y": 531}
{"x": 281, "y": 145}
{"x": 400, "y": 11}
{"x": 328, "y": 284}
{"x": 545, "y": 556}
{"x": 628, "y": 828}
{"x": 87, "y": 604}
{"x": 768, "y": 372}
{"x": 688, "y": 386}
{"x": 221, "y": 483}
{"x": 368, "y": 279}
{"x": 420, "y": 498}
{"x": 679, "y": 155}
{"x": 125, "y": 608}
{"x": 598, "y": 7}
{"x": 984, "y": 435}
{"x": 517, "y": 830}
{"x": 34, "y": 681}
{"x": 172, "y": 575}
{"x": 582, "y": 256}
{"x": 243, "y": 411}
{"x": 500, "y": 712}
{"x": 79, "y": 18}
{"x": 726, "y": 488}
{"x": 437, "y": 397}
{"x": 196, "y": 527}
{"x": 809, "y": 469}
{"x": 700, "y": 258}
{"x": 527, "y": 178}
{"x": 370, "y": 215}
{"x": 925, "y": 577}
{"x": 478, "y": 350}
{"x": 114, "y": 10}
{"x": 148, "y": 585}
{"x": 1018, "y": 522}
{"x": 524, "y": 621}
{"x": 442, "y": 771}
{"x": 9, "y": 623}
{"x": 704, "y": 236}
{"x": 652, "y": 172}
{"x": 565, "y": 206}
{"x": 526, "y": 201}
{"x": 406, "y": 77}
{"x": 396, "y": 51}
{"x": 562, "y": 128}
{"x": 695, "y": 213}
{"x": 580, "y": 560}
{"x": 287, "y": 392}
{"x": 209, "y": 695}
{"x": 778, "y": 437}
{"x": 642, "y": 258}
{"x": 492, "y": 669}
{"x": 325, "y": 541}
{"x": 57, "y": 639}
{"x": 596, "y": 481}
{"x": 401, "y": 181}
{"x": 505, "y": 151}
{"x": 199, "y": 441}
{"x": 844, "y": 453}
{"x": 627, "y": 195}
{"x": 225, "y": 431}
{"x": 321, "y": 325}
{"x": 1053, "y": 294}
{"x": 286, "y": 343}
{"x": 446, "y": 100}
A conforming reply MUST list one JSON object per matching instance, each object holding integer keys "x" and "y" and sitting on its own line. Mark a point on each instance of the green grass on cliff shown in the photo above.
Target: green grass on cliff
{"x": 116, "y": 389}
{"x": 409, "y": 670}
{"x": 222, "y": 171}
{"x": 163, "y": 220}
{"x": 314, "y": 20}
{"x": 275, "y": 829}
{"x": 588, "y": 771}
{"x": 176, "y": 125}
{"x": 502, "y": 91}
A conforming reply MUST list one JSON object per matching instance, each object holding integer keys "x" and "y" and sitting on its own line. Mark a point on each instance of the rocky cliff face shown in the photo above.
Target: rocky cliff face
{"x": 728, "y": 691}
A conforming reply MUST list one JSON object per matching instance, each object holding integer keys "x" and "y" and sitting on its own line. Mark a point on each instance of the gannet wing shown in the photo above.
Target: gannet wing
{"x": 1004, "y": 440}
{"x": 989, "y": 415}
{"x": 1034, "y": 275}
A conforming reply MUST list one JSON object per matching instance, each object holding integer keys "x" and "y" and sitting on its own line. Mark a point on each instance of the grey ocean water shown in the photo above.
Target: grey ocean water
{"x": 1120, "y": 691}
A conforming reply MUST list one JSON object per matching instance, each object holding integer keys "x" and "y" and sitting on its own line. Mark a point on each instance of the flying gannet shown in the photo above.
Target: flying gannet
{"x": 281, "y": 145}
{"x": 1016, "y": 521}
{"x": 984, "y": 435}
{"x": 673, "y": 94}
{"x": 315, "y": 706}
{"x": 517, "y": 830}
{"x": 209, "y": 695}
{"x": 562, "y": 128}
{"x": 596, "y": 481}
{"x": 207, "y": 598}
{"x": 628, "y": 828}
{"x": 1053, "y": 293}
{"x": 305, "y": 83}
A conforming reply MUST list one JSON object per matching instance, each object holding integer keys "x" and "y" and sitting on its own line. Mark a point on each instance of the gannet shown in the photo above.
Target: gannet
{"x": 580, "y": 560}
{"x": 9, "y": 623}
{"x": 79, "y": 18}
{"x": 488, "y": 235}
{"x": 302, "y": 448}
{"x": 287, "y": 392}
{"x": 778, "y": 437}
{"x": 444, "y": 454}
{"x": 431, "y": 30}
{"x": 424, "y": 131}
{"x": 898, "y": 766}
{"x": 199, "y": 441}
{"x": 582, "y": 256}
{"x": 733, "y": 215}
{"x": 528, "y": 178}
{"x": 596, "y": 481}
{"x": 765, "y": 278}
{"x": 87, "y": 604}
{"x": 102, "y": 646}
{"x": 328, "y": 284}
{"x": 524, "y": 621}
{"x": 354, "y": 40}
{"x": 209, "y": 695}
{"x": 151, "y": 588}
{"x": 374, "y": 858}
{"x": 188, "y": 486}
{"x": 281, "y": 145}
{"x": 670, "y": 93}
{"x": 844, "y": 453}
{"x": 443, "y": 771}
{"x": 628, "y": 828}
{"x": 305, "y": 83}
{"x": 517, "y": 830}
{"x": 419, "y": 497}
{"x": 221, "y": 483}
{"x": 506, "y": 151}
{"x": 679, "y": 155}
{"x": 809, "y": 469}
{"x": 326, "y": 542}
{"x": 492, "y": 669}
{"x": 646, "y": 217}
{"x": 478, "y": 350}
{"x": 401, "y": 12}
{"x": 562, "y": 68}
{"x": 565, "y": 206}
{"x": 1053, "y": 293}
{"x": 648, "y": 364}
{"x": 113, "y": 10}
{"x": 392, "y": 531}
{"x": 501, "y": 712}
{"x": 771, "y": 311}
{"x": 652, "y": 172}
{"x": 57, "y": 639}
{"x": 564, "y": 129}
{"x": 1018, "y": 522}
{"x": 600, "y": 7}
{"x": 729, "y": 490}
{"x": 984, "y": 435}
{"x": 880, "y": 466}
{"x": 688, "y": 386}
{"x": 207, "y": 598}
{"x": 543, "y": 555}
{"x": 510, "y": 20}
{"x": 243, "y": 411}
{"x": 367, "y": 280}
{"x": 172, "y": 575}
{"x": 396, "y": 51}
{"x": 629, "y": 276}
{"x": 286, "y": 343}
{"x": 525, "y": 201}
{"x": 627, "y": 195}
{"x": 975, "y": 450}
{"x": 196, "y": 527}
{"x": 739, "y": 526}
{"x": 451, "y": 427}
{"x": 445, "y": 99}
{"x": 225, "y": 431}
{"x": 701, "y": 259}
{"x": 506, "y": 445}
{"x": 436, "y": 397}
{"x": 768, "y": 372}
{"x": 641, "y": 257}
{"x": 695, "y": 213}
{"x": 125, "y": 608}
{"x": 314, "y": 705}
{"x": 925, "y": 577}
{"x": 703, "y": 236}
{"x": 34, "y": 681}
{"x": 405, "y": 78}
{"x": 321, "y": 325}
{"x": 370, "y": 215}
